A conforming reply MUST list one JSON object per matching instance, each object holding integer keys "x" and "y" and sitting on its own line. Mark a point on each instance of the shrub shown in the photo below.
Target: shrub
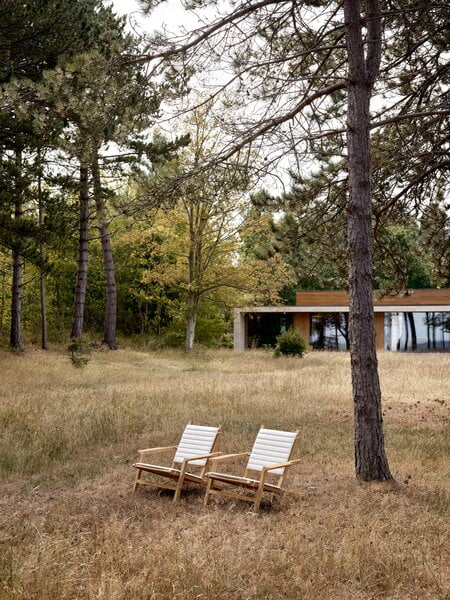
{"x": 290, "y": 343}
{"x": 79, "y": 352}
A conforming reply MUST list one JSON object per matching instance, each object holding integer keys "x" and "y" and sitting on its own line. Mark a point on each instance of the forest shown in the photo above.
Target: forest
{"x": 137, "y": 200}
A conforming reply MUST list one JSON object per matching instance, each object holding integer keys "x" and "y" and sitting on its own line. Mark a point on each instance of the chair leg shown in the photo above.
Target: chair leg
{"x": 258, "y": 497}
{"x": 178, "y": 489}
{"x": 136, "y": 481}
{"x": 207, "y": 493}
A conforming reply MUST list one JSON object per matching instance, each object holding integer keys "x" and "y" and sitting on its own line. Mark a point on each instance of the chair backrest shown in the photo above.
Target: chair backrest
{"x": 271, "y": 447}
{"x": 196, "y": 440}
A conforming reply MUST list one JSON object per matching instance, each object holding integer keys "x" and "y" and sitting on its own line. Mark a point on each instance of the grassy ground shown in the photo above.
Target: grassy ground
{"x": 70, "y": 527}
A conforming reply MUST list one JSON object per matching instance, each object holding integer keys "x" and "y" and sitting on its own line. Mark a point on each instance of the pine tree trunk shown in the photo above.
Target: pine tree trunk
{"x": 44, "y": 340}
{"x": 81, "y": 283}
{"x": 109, "y": 335}
{"x": 15, "y": 338}
{"x": 370, "y": 458}
{"x": 3, "y": 300}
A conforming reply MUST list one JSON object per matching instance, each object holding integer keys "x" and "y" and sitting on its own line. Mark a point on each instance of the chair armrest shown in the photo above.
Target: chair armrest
{"x": 199, "y": 456}
{"x": 156, "y": 450}
{"x": 288, "y": 463}
{"x": 224, "y": 457}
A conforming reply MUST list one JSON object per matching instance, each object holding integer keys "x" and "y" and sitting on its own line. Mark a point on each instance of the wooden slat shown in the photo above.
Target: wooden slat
{"x": 301, "y": 322}
{"x": 320, "y": 298}
{"x": 379, "y": 330}
{"x": 416, "y": 298}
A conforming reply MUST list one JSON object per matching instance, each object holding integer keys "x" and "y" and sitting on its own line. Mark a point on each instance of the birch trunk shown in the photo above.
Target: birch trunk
{"x": 191, "y": 322}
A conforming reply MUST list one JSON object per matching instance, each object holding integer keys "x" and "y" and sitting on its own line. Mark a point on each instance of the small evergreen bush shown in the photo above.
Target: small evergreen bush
{"x": 79, "y": 352}
{"x": 290, "y": 343}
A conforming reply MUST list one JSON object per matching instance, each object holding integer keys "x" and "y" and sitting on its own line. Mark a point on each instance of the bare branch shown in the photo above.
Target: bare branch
{"x": 204, "y": 34}
{"x": 276, "y": 121}
{"x": 410, "y": 116}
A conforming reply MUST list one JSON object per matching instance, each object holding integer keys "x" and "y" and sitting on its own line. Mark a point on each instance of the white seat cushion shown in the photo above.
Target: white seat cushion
{"x": 196, "y": 441}
{"x": 271, "y": 447}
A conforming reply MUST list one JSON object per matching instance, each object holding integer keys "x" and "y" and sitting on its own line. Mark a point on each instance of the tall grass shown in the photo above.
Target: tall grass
{"x": 70, "y": 527}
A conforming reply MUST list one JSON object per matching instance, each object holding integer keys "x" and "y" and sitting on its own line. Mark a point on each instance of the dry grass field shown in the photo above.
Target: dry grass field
{"x": 71, "y": 528}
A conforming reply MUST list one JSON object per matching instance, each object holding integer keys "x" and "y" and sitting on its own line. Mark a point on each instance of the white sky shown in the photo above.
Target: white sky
{"x": 170, "y": 14}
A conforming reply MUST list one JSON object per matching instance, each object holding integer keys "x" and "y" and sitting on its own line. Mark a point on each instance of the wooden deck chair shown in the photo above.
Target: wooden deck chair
{"x": 269, "y": 458}
{"x": 197, "y": 445}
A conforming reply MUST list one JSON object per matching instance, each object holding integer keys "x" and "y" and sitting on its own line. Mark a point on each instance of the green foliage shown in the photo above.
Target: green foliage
{"x": 226, "y": 340}
{"x": 211, "y": 326}
{"x": 79, "y": 351}
{"x": 36, "y": 35}
{"x": 310, "y": 233}
{"x": 435, "y": 240}
{"x": 290, "y": 343}
{"x": 398, "y": 264}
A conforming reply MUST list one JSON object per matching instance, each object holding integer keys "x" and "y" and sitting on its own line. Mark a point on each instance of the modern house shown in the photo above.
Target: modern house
{"x": 415, "y": 320}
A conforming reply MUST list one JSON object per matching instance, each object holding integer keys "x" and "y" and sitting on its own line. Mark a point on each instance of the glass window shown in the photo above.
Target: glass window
{"x": 417, "y": 331}
{"x": 329, "y": 331}
{"x": 264, "y": 328}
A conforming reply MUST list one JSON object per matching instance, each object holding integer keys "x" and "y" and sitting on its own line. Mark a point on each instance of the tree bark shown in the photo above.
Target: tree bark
{"x": 197, "y": 224}
{"x": 44, "y": 340}
{"x": 192, "y": 303}
{"x": 109, "y": 334}
{"x": 81, "y": 283}
{"x": 3, "y": 300}
{"x": 44, "y": 337}
{"x": 370, "y": 457}
{"x": 15, "y": 338}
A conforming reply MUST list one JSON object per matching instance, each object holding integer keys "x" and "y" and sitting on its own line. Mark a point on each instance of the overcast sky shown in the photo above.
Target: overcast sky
{"x": 170, "y": 14}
